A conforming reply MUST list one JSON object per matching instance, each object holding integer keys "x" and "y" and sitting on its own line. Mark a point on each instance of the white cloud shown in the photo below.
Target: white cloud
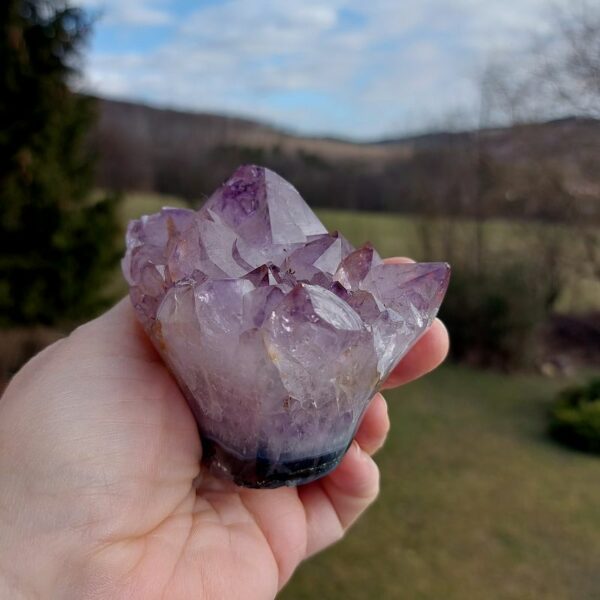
{"x": 137, "y": 13}
{"x": 300, "y": 64}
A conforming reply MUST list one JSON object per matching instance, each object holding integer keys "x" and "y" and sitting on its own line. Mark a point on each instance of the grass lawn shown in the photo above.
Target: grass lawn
{"x": 476, "y": 502}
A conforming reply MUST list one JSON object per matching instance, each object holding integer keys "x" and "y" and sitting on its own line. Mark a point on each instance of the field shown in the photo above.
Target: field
{"x": 476, "y": 502}
{"x": 394, "y": 235}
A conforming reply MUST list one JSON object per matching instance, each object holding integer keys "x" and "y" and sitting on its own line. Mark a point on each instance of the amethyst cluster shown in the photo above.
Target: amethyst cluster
{"x": 277, "y": 331}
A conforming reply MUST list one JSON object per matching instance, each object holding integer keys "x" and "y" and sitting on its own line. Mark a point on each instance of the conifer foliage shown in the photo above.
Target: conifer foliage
{"x": 57, "y": 242}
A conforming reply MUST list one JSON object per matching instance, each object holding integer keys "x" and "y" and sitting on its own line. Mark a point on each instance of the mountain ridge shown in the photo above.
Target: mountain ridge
{"x": 187, "y": 154}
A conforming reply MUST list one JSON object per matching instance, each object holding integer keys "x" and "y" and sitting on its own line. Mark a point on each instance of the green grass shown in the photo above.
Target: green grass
{"x": 452, "y": 240}
{"x": 394, "y": 235}
{"x": 136, "y": 204}
{"x": 476, "y": 502}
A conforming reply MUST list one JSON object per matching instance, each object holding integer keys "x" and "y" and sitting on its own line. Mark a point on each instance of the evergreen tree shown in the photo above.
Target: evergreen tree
{"x": 57, "y": 243}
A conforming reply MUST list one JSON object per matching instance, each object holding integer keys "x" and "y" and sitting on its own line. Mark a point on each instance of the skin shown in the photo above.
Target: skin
{"x": 102, "y": 494}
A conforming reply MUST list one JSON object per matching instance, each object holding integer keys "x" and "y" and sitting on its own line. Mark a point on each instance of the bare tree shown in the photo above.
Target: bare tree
{"x": 570, "y": 65}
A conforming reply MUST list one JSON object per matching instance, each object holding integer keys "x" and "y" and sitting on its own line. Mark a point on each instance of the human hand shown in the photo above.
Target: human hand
{"x": 102, "y": 495}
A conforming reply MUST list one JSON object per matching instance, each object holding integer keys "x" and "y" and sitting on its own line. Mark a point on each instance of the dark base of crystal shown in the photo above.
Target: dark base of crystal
{"x": 264, "y": 473}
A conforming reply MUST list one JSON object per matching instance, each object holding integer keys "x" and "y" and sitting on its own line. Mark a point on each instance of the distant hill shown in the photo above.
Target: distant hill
{"x": 188, "y": 154}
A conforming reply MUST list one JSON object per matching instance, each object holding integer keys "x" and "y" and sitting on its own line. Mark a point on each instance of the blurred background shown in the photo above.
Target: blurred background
{"x": 440, "y": 129}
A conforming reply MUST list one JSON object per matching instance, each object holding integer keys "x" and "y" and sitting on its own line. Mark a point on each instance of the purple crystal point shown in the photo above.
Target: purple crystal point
{"x": 321, "y": 255}
{"x": 355, "y": 267}
{"x": 420, "y": 286}
{"x": 263, "y": 208}
{"x": 278, "y": 332}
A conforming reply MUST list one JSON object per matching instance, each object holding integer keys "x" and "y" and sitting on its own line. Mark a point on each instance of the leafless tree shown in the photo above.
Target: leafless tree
{"x": 570, "y": 63}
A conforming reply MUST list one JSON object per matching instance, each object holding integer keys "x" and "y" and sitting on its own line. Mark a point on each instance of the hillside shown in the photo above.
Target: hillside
{"x": 187, "y": 154}
{"x": 136, "y": 140}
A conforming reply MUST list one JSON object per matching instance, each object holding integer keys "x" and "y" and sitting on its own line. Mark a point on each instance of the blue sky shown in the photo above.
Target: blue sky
{"x": 353, "y": 68}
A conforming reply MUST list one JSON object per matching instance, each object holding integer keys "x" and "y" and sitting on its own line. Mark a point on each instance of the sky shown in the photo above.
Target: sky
{"x": 360, "y": 69}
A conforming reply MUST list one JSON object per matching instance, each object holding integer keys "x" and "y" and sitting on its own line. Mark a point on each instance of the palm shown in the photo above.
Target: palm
{"x": 180, "y": 518}
{"x": 143, "y": 519}
{"x": 157, "y": 525}
{"x": 169, "y": 518}
{"x": 126, "y": 459}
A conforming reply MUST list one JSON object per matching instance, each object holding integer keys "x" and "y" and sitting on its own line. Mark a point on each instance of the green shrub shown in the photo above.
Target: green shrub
{"x": 575, "y": 417}
{"x": 493, "y": 314}
{"x": 503, "y": 287}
